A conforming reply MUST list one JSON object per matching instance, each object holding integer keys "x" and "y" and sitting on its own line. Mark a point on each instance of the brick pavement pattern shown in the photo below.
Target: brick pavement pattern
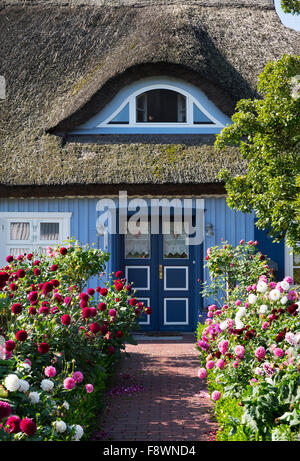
{"x": 168, "y": 402}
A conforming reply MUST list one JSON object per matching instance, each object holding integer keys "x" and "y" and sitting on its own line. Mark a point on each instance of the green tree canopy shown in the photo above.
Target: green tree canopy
{"x": 267, "y": 131}
{"x": 290, "y": 6}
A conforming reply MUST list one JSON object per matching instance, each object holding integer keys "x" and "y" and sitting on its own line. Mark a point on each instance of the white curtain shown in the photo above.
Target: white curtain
{"x": 19, "y": 231}
{"x": 139, "y": 246}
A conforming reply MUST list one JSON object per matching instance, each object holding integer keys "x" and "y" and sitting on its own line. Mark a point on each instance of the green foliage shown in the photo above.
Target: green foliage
{"x": 290, "y": 6}
{"x": 233, "y": 269}
{"x": 267, "y": 132}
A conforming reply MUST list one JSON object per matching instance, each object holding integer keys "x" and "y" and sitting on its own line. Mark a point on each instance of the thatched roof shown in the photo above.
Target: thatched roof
{"x": 64, "y": 61}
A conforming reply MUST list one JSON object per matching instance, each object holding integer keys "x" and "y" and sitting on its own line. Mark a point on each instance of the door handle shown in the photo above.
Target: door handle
{"x": 160, "y": 272}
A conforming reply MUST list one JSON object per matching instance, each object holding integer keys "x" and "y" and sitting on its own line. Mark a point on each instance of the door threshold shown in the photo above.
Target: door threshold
{"x": 157, "y": 338}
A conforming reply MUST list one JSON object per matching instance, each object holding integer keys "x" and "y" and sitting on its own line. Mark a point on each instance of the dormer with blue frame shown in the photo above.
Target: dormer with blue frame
{"x": 161, "y": 105}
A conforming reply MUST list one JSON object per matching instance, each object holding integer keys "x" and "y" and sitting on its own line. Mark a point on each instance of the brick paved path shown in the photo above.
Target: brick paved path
{"x": 165, "y": 400}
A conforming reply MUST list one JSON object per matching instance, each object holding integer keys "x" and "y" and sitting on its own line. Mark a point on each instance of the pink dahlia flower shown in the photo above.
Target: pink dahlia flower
{"x": 278, "y": 352}
{"x": 216, "y": 395}
{"x": 69, "y": 383}
{"x": 50, "y": 371}
{"x": 202, "y": 373}
{"x": 260, "y": 352}
{"x": 210, "y": 364}
{"x": 77, "y": 376}
{"x": 239, "y": 351}
{"x": 89, "y": 388}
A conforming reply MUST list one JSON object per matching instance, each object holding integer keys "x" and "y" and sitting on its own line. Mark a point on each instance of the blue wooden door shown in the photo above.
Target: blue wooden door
{"x": 163, "y": 270}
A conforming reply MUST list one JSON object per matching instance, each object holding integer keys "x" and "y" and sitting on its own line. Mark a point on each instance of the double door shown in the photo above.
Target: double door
{"x": 162, "y": 268}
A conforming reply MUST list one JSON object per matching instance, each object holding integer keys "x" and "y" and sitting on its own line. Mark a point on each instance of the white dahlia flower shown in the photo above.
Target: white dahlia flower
{"x": 34, "y": 397}
{"x": 60, "y": 426}
{"x": 23, "y": 385}
{"x": 252, "y": 298}
{"x": 47, "y": 385}
{"x": 12, "y": 383}
{"x": 78, "y": 432}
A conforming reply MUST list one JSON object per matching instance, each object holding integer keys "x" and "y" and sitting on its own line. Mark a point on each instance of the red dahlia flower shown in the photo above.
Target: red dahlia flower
{"x": 4, "y": 276}
{"x": 13, "y": 424}
{"x": 10, "y": 345}
{"x": 84, "y": 297}
{"x": 86, "y": 313}
{"x": 95, "y": 327}
{"x": 118, "y": 285}
{"x": 63, "y": 251}
{"x": 21, "y": 273}
{"x": 28, "y": 426}
{"x": 55, "y": 283}
{"x": 66, "y": 319}
{"x": 47, "y": 287}
{"x": 5, "y": 410}
{"x": 43, "y": 348}
{"x": 133, "y": 301}
{"x": 21, "y": 335}
{"x": 16, "y": 308}
{"x": 102, "y": 306}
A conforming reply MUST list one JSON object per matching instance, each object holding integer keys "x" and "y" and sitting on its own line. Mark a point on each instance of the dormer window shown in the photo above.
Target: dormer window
{"x": 157, "y": 106}
{"x": 161, "y": 106}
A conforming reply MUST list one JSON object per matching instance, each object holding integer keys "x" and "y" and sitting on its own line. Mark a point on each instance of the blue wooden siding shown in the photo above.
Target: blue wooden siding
{"x": 228, "y": 225}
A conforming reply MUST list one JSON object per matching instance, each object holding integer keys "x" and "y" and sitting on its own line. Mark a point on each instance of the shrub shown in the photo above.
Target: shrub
{"x": 59, "y": 340}
{"x": 233, "y": 269}
{"x": 250, "y": 352}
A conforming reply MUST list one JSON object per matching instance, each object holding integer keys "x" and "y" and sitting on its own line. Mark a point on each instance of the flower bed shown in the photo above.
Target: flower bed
{"x": 59, "y": 342}
{"x": 249, "y": 352}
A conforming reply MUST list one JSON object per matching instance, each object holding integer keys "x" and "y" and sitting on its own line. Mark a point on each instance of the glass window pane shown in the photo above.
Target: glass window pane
{"x": 19, "y": 231}
{"x": 137, "y": 246}
{"x": 49, "y": 231}
{"x": 200, "y": 117}
{"x": 297, "y": 276}
{"x": 296, "y": 260}
{"x": 161, "y": 106}
{"x": 122, "y": 118}
{"x": 174, "y": 245}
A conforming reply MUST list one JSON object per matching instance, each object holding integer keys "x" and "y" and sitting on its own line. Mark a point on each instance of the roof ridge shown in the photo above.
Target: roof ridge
{"x": 269, "y": 4}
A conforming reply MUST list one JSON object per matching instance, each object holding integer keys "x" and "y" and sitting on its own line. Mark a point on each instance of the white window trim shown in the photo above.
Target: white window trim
{"x": 148, "y": 276}
{"x": 147, "y": 315}
{"x": 190, "y": 100}
{"x": 34, "y": 218}
{"x": 288, "y": 262}
{"x": 166, "y": 268}
{"x": 186, "y": 311}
